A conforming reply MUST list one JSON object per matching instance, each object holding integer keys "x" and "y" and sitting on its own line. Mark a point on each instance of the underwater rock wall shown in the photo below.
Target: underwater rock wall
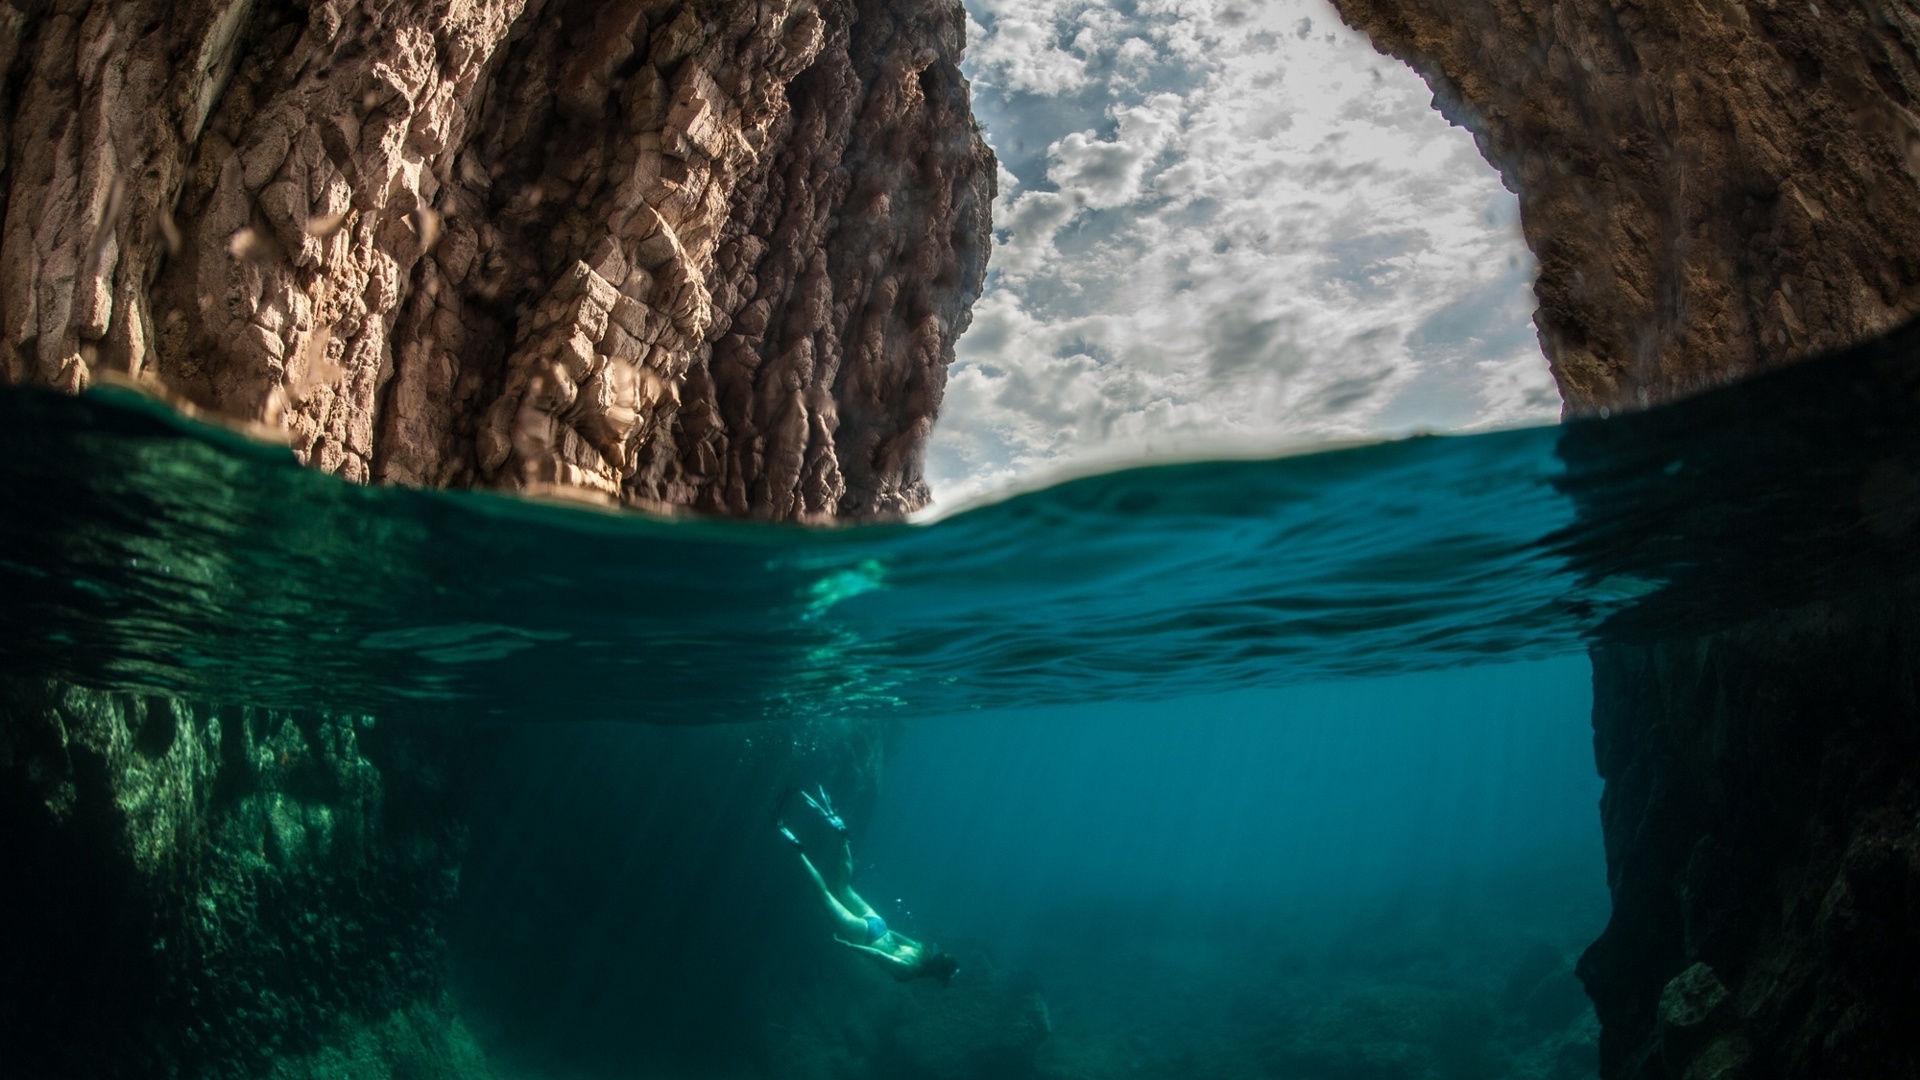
{"x": 1762, "y": 819}
{"x": 1713, "y": 189}
{"x": 210, "y": 892}
{"x": 665, "y": 252}
{"x": 1710, "y": 188}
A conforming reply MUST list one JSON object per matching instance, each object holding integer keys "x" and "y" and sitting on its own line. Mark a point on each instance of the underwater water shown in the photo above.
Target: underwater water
{"x": 1253, "y": 768}
{"x": 1385, "y": 877}
{"x": 1390, "y": 876}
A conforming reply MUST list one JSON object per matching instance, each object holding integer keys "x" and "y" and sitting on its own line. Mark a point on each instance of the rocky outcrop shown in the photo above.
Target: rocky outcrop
{"x": 673, "y": 253}
{"x": 1710, "y": 188}
{"x": 1713, "y": 189}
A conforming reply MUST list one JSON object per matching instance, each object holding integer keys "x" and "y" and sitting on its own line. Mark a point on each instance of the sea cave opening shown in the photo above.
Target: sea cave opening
{"x": 1241, "y": 705}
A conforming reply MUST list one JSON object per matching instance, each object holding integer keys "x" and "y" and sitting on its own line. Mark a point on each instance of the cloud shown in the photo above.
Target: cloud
{"x": 1220, "y": 224}
{"x": 1240, "y": 340}
{"x": 1102, "y": 174}
{"x": 1017, "y": 48}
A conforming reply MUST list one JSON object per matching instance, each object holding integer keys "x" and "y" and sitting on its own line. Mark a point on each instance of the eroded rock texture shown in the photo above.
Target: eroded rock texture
{"x": 670, "y": 252}
{"x": 1710, "y": 188}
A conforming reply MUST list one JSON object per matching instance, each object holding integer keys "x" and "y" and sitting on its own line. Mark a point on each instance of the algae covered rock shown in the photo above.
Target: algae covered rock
{"x": 215, "y": 887}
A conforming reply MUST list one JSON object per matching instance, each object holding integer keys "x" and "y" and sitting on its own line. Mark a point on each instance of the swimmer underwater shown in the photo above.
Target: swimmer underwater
{"x": 861, "y": 928}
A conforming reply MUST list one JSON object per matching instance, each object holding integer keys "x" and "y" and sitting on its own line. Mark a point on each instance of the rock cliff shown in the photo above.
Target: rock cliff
{"x": 669, "y": 252}
{"x": 1710, "y": 188}
{"x": 1713, "y": 189}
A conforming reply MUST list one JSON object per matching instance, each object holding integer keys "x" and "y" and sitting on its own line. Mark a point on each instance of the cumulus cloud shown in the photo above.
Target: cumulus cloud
{"x": 1225, "y": 221}
{"x": 1105, "y": 173}
{"x": 1020, "y": 47}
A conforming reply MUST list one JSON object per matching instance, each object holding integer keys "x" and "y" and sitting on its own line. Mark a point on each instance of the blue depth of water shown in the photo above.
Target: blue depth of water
{"x": 1277, "y": 806}
{"x": 1388, "y": 877}
{"x": 1286, "y": 882}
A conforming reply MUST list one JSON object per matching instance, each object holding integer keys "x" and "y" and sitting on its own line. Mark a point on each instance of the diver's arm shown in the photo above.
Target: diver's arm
{"x": 871, "y": 951}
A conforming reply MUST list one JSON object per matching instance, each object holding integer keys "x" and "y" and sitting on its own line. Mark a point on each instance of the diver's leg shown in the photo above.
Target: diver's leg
{"x": 842, "y": 890}
{"x": 846, "y": 861}
{"x": 849, "y": 899}
{"x": 824, "y": 805}
{"x": 851, "y": 924}
{"x": 857, "y": 904}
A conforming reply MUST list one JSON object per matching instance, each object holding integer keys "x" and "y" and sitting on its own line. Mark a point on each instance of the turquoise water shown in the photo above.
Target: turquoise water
{"x": 1254, "y": 768}
{"x": 200, "y": 565}
{"x": 193, "y": 562}
{"x": 1386, "y": 877}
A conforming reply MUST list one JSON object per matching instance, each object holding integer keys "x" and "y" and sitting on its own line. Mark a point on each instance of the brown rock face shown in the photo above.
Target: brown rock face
{"x": 1711, "y": 188}
{"x": 670, "y": 252}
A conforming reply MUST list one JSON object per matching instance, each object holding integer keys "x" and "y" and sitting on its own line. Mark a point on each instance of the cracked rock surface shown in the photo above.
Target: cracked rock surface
{"x": 669, "y": 253}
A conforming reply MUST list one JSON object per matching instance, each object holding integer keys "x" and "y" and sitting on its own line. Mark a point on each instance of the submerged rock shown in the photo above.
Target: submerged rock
{"x": 213, "y": 890}
{"x": 1763, "y": 846}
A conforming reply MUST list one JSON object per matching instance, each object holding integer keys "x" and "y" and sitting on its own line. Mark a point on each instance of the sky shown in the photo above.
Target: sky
{"x": 1224, "y": 226}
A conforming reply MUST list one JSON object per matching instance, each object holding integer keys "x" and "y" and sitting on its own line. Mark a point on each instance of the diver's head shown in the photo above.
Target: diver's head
{"x": 935, "y": 964}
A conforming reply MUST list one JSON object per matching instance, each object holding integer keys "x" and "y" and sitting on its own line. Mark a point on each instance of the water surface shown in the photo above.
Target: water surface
{"x": 155, "y": 553}
{"x": 148, "y": 551}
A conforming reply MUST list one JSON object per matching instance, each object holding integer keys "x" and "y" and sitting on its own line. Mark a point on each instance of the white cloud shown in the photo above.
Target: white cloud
{"x": 1101, "y": 174}
{"x": 1225, "y": 220}
{"x": 1019, "y": 50}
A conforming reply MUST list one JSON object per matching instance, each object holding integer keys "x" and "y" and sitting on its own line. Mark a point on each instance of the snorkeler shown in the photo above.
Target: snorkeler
{"x": 861, "y": 927}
